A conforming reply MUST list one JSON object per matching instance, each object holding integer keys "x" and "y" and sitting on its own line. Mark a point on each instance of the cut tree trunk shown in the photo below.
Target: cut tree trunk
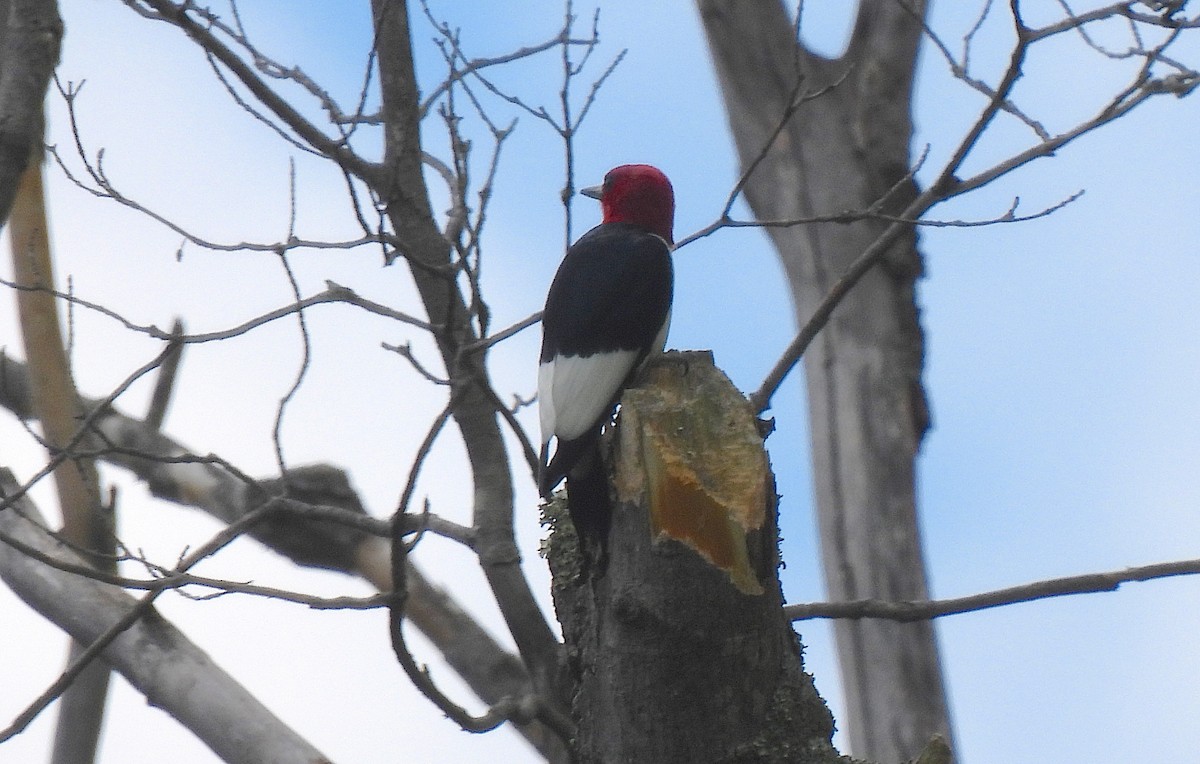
{"x": 676, "y": 641}
{"x": 845, "y": 150}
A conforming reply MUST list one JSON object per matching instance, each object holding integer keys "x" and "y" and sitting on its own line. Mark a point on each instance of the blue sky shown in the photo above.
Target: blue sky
{"x": 1062, "y": 368}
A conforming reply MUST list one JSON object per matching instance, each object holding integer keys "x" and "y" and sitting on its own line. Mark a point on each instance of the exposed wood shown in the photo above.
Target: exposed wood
{"x": 697, "y": 454}
{"x": 674, "y": 661}
{"x": 86, "y": 523}
{"x": 845, "y": 151}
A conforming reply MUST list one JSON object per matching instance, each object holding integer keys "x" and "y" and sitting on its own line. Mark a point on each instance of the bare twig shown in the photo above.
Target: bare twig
{"x": 104, "y": 188}
{"x": 301, "y": 371}
{"x": 405, "y": 351}
{"x": 961, "y": 68}
{"x": 471, "y": 67}
{"x": 422, "y": 454}
{"x": 500, "y": 336}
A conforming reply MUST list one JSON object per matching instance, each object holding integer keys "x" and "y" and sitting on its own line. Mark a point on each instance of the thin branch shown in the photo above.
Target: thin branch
{"x": 301, "y": 372}
{"x": 105, "y": 189}
{"x": 510, "y": 417}
{"x": 1072, "y": 22}
{"x": 505, "y": 709}
{"x": 487, "y": 342}
{"x": 1008, "y": 216}
{"x": 761, "y": 398}
{"x": 337, "y": 150}
{"x": 961, "y": 69}
{"x": 85, "y": 428}
{"x": 473, "y": 66}
{"x": 1056, "y": 587}
{"x": 422, "y": 454}
{"x": 253, "y": 112}
{"x": 334, "y": 293}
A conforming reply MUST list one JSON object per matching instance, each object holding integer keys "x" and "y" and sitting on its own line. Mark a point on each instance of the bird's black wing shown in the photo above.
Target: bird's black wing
{"x": 612, "y": 292}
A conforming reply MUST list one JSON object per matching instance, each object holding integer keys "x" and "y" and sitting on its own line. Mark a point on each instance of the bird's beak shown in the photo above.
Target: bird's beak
{"x": 595, "y": 192}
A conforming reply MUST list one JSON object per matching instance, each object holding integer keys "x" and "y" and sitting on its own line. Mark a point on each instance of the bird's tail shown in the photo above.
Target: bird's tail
{"x": 590, "y": 508}
{"x": 551, "y": 471}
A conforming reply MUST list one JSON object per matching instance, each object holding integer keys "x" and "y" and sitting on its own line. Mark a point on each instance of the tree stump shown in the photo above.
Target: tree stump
{"x": 677, "y": 646}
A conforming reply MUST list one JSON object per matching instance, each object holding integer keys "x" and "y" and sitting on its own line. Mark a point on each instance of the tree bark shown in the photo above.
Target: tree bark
{"x": 401, "y": 186}
{"x": 681, "y": 652}
{"x": 843, "y": 151}
{"x": 30, "y": 38}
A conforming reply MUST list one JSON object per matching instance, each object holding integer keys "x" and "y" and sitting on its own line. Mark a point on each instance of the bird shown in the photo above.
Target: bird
{"x": 608, "y": 309}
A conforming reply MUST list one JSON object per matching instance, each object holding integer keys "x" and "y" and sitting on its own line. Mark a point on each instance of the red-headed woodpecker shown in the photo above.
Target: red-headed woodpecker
{"x": 608, "y": 308}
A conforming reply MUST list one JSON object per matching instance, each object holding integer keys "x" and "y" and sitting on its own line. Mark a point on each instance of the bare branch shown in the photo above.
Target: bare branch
{"x": 105, "y": 189}
{"x": 309, "y": 535}
{"x": 336, "y": 150}
{"x": 253, "y": 112}
{"x": 1055, "y": 587}
{"x": 500, "y": 336}
{"x": 1008, "y": 216}
{"x": 154, "y": 656}
{"x": 761, "y": 399}
{"x": 1076, "y": 22}
{"x": 419, "y": 675}
{"x": 334, "y": 293}
{"x": 521, "y": 710}
{"x": 301, "y": 372}
{"x": 961, "y": 69}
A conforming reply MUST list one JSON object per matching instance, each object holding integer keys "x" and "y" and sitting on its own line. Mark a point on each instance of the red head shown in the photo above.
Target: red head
{"x": 638, "y": 194}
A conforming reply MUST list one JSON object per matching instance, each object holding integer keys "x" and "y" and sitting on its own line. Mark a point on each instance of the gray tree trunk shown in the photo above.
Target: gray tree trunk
{"x": 844, "y": 151}
{"x": 677, "y": 659}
